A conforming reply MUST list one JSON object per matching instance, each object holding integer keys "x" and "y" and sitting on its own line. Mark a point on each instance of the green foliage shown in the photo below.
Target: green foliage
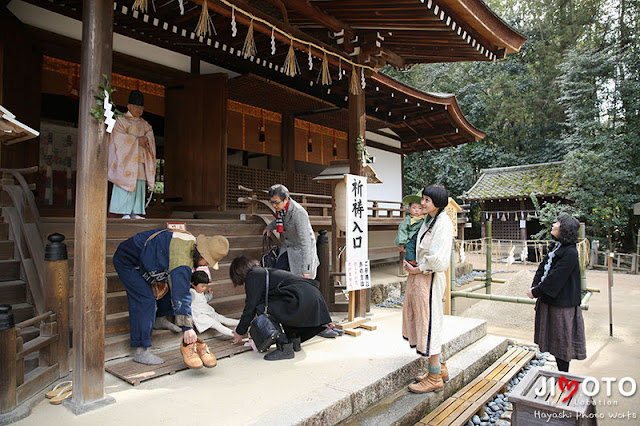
{"x": 570, "y": 93}
{"x": 547, "y": 215}
{"x": 98, "y": 110}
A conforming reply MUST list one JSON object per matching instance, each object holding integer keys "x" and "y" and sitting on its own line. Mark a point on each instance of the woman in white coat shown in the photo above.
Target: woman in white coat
{"x": 423, "y": 311}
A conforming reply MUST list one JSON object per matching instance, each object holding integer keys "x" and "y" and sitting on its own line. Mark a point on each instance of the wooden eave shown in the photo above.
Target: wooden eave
{"x": 438, "y": 124}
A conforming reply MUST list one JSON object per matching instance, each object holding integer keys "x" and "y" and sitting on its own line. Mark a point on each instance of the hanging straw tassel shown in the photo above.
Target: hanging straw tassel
{"x": 354, "y": 84}
{"x": 291, "y": 67}
{"x": 249, "y": 48}
{"x": 325, "y": 75}
{"x": 141, "y": 5}
{"x": 205, "y": 24}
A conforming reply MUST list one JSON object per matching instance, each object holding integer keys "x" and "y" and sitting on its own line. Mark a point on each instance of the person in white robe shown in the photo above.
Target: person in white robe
{"x": 132, "y": 160}
{"x": 204, "y": 315}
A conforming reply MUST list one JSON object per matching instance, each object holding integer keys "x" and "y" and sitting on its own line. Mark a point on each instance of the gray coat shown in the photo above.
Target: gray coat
{"x": 299, "y": 240}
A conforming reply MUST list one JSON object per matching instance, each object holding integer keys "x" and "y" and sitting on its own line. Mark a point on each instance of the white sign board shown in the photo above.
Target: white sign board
{"x": 357, "y": 242}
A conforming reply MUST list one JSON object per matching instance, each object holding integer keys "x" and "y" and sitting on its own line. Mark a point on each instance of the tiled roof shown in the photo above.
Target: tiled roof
{"x": 540, "y": 179}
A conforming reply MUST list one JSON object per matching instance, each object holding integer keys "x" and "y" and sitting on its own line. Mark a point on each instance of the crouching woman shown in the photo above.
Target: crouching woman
{"x": 294, "y": 301}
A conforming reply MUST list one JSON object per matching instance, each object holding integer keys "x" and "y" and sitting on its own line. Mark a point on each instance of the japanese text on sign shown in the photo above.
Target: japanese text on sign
{"x": 357, "y": 242}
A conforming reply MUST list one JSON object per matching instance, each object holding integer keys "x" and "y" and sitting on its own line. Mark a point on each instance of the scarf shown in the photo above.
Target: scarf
{"x": 279, "y": 216}
{"x": 415, "y": 219}
{"x": 547, "y": 267}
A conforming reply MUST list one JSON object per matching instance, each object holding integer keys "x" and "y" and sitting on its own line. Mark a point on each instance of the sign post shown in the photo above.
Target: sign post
{"x": 358, "y": 271}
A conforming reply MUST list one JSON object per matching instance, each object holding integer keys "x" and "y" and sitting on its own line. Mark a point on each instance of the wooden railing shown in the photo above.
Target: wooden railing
{"x": 625, "y": 262}
{"x": 377, "y": 208}
{"x": 25, "y": 224}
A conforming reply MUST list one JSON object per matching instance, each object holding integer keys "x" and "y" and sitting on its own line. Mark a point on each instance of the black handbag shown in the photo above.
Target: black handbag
{"x": 263, "y": 330}
{"x": 269, "y": 254}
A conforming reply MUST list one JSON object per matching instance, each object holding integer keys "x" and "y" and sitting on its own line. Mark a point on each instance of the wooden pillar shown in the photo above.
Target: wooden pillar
{"x": 357, "y": 127}
{"x": 323, "y": 277}
{"x": 195, "y": 65}
{"x": 56, "y": 267}
{"x": 289, "y": 150}
{"x": 91, "y": 213}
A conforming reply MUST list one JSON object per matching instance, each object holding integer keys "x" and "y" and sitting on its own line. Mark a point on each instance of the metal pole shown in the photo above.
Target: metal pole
{"x": 610, "y": 264}
{"x": 583, "y": 276}
{"x": 489, "y": 248}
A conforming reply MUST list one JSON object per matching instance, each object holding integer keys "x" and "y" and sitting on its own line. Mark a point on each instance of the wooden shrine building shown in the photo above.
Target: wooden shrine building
{"x": 505, "y": 196}
{"x": 311, "y": 80}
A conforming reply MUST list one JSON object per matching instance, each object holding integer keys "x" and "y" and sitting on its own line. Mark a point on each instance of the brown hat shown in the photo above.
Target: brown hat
{"x": 212, "y": 248}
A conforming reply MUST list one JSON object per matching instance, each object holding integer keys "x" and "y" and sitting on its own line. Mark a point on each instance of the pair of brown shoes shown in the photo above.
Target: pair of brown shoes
{"x": 197, "y": 355}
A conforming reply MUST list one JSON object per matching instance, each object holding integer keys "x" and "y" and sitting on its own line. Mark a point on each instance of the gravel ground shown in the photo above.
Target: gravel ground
{"x": 505, "y": 314}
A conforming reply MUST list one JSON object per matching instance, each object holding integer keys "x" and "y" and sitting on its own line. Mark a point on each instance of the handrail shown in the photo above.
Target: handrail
{"x": 34, "y": 320}
{"x": 17, "y": 174}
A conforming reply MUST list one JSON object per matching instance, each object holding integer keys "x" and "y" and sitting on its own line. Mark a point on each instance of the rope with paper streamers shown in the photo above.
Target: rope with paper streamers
{"x": 292, "y": 38}
{"x": 205, "y": 24}
{"x": 249, "y": 48}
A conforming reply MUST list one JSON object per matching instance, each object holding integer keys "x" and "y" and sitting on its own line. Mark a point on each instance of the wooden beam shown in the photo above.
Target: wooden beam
{"x": 383, "y": 147}
{"x": 288, "y": 149}
{"x": 91, "y": 212}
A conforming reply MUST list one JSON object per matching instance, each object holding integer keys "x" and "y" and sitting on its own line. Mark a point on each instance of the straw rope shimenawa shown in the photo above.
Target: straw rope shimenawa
{"x": 354, "y": 85}
{"x": 325, "y": 75}
{"x": 249, "y": 48}
{"x": 205, "y": 24}
{"x": 291, "y": 67}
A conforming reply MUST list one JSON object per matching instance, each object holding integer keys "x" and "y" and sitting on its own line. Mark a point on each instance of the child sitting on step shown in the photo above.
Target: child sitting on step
{"x": 203, "y": 314}
{"x": 408, "y": 229}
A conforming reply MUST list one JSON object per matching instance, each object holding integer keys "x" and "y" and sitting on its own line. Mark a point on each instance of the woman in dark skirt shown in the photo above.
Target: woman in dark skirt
{"x": 294, "y": 301}
{"x": 559, "y": 326}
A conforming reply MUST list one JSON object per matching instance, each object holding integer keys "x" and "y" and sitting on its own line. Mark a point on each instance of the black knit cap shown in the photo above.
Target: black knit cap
{"x": 136, "y": 98}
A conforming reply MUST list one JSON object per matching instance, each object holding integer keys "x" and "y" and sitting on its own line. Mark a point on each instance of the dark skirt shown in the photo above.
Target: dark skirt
{"x": 560, "y": 331}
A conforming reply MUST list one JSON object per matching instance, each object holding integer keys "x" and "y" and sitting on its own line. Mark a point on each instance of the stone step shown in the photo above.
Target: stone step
{"x": 355, "y": 392}
{"x": 404, "y": 407}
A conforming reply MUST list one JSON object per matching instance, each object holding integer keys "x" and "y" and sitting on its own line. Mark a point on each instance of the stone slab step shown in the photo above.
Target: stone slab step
{"x": 356, "y": 391}
{"x": 404, "y": 407}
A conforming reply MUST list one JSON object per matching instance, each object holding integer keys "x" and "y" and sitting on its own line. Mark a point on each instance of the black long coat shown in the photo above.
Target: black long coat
{"x": 294, "y": 301}
{"x": 562, "y": 286}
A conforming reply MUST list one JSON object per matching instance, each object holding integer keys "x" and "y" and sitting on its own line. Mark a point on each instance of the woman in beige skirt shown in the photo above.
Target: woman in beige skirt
{"x": 423, "y": 312}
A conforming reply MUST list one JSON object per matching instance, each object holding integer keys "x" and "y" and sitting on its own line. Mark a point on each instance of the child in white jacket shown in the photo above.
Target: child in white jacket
{"x": 203, "y": 314}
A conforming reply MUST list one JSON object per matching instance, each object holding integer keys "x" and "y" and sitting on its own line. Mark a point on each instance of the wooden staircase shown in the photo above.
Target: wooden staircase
{"x": 245, "y": 237}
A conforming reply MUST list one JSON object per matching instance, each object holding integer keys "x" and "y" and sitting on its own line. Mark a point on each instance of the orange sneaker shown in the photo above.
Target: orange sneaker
{"x": 208, "y": 359}
{"x": 190, "y": 356}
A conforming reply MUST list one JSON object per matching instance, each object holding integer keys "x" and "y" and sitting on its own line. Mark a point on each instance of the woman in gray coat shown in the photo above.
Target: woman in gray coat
{"x": 298, "y": 251}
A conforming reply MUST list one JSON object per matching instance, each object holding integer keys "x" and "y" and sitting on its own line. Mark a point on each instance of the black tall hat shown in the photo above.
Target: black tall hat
{"x": 136, "y": 98}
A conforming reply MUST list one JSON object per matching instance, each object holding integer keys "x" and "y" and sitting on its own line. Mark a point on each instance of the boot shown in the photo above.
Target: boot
{"x": 443, "y": 371}
{"x": 208, "y": 359}
{"x": 432, "y": 383}
{"x": 190, "y": 356}
{"x": 296, "y": 344}
{"x": 283, "y": 351}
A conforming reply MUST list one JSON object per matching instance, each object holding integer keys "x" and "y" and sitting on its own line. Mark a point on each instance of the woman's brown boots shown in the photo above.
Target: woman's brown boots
{"x": 443, "y": 371}
{"x": 431, "y": 383}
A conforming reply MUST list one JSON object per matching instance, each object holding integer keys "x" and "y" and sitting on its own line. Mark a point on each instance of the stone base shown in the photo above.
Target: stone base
{"x": 20, "y": 412}
{"x": 76, "y": 408}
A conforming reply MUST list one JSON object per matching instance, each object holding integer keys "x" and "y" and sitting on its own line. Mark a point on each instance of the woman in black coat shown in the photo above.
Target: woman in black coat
{"x": 294, "y": 301}
{"x": 559, "y": 327}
